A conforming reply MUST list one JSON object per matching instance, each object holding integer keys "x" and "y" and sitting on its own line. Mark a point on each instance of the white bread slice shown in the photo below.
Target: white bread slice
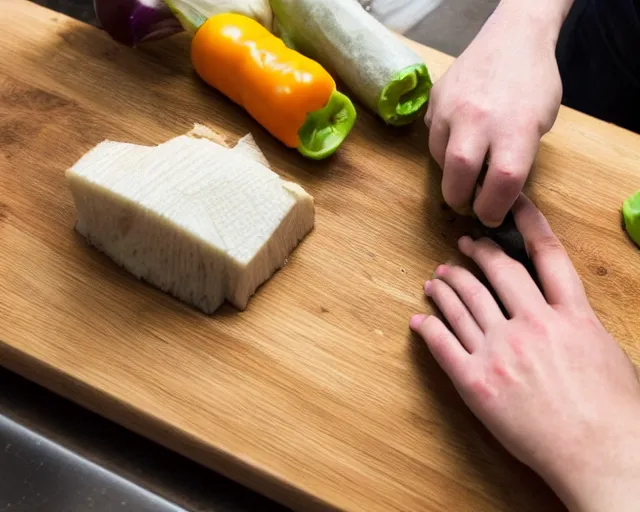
{"x": 190, "y": 216}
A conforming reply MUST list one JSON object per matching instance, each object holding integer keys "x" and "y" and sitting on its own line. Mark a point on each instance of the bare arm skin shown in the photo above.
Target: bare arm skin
{"x": 547, "y": 379}
{"x": 497, "y": 100}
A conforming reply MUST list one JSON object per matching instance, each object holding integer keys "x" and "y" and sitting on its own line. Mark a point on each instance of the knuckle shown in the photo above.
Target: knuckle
{"x": 489, "y": 251}
{"x": 516, "y": 342}
{"x": 515, "y": 264}
{"x": 586, "y": 319}
{"x": 453, "y": 310}
{"x": 535, "y": 324}
{"x": 499, "y": 369}
{"x": 467, "y": 285}
{"x": 520, "y": 355}
{"x": 437, "y": 127}
{"x": 507, "y": 175}
{"x": 460, "y": 158}
{"x": 438, "y": 339}
{"x": 456, "y": 316}
{"x": 431, "y": 327}
{"x": 535, "y": 124}
{"x": 471, "y": 109}
{"x": 543, "y": 244}
{"x": 474, "y": 295}
{"x": 476, "y": 386}
{"x": 466, "y": 282}
{"x": 500, "y": 267}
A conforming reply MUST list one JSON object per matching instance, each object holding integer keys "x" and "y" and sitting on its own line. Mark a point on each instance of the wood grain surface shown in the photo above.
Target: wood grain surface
{"x": 317, "y": 395}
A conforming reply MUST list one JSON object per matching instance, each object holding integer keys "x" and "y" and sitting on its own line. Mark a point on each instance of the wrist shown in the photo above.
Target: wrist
{"x": 545, "y": 17}
{"x": 605, "y": 475}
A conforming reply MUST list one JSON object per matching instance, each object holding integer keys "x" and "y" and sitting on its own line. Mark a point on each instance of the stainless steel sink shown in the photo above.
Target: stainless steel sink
{"x": 57, "y": 457}
{"x": 38, "y": 474}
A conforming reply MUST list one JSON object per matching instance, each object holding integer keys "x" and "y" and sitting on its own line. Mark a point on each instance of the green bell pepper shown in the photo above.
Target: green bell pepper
{"x": 631, "y": 216}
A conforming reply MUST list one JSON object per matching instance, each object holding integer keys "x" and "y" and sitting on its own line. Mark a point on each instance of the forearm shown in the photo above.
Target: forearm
{"x": 606, "y": 479}
{"x": 544, "y": 16}
{"x": 610, "y": 492}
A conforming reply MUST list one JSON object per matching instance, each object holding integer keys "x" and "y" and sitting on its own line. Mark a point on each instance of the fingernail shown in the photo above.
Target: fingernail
{"x": 464, "y": 244}
{"x": 437, "y": 273}
{"x": 416, "y": 321}
{"x": 427, "y": 287}
{"x": 493, "y": 223}
{"x": 465, "y": 210}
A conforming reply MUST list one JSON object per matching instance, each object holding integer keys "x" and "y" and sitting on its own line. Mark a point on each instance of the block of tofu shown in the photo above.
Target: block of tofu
{"x": 195, "y": 218}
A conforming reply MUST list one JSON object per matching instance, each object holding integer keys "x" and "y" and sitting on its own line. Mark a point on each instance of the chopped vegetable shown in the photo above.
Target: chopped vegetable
{"x": 193, "y": 13}
{"x": 292, "y": 96}
{"x": 631, "y": 216}
{"x": 385, "y": 75}
{"x": 132, "y": 22}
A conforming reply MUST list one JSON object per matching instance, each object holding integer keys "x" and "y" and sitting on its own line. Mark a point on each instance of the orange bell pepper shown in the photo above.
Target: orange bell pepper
{"x": 292, "y": 96}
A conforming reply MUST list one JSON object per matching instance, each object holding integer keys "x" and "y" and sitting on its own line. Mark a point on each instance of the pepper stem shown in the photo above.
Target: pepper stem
{"x": 403, "y": 99}
{"x": 190, "y": 13}
{"x": 324, "y": 130}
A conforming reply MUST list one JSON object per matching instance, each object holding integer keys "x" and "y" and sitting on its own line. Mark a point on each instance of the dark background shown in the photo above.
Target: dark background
{"x": 79, "y": 9}
{"x": 450, "y": 27}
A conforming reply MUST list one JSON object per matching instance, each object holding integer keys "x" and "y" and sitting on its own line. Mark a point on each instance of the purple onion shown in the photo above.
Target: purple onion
{"x": 132, "y": 22}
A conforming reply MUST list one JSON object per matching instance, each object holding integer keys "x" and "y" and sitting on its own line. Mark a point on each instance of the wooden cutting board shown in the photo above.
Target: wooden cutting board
{"x": 317, "y": 395}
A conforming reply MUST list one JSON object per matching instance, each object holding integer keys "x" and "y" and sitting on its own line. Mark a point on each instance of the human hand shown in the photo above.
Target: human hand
{"x": 497, "y": 100}
{"x": 547, "y": 380}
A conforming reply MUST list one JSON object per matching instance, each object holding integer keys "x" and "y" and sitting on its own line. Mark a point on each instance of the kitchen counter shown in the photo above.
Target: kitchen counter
{"x": 58, "y": 457}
